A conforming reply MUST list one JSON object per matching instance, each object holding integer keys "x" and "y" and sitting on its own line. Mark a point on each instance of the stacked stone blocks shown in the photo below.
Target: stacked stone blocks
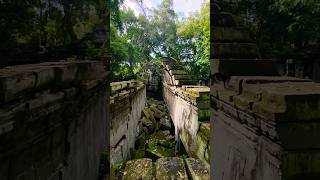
{"x": 265, "y": 125}
{"x": 189, "y": 109}
{"x": 47, "y": 109}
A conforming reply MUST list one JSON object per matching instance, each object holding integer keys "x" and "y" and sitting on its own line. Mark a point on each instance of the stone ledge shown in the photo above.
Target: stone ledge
{"x": 124, "y": 89}
{"x": 20, "y": 80}
{"x": 284, "y": 99}
{"x": 197, "y": 169}
{"x": 30, "y": 92}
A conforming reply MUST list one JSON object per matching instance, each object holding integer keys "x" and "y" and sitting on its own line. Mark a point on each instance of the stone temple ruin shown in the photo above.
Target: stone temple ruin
{"x": 53, "y": 120}
{"x": 185, "y": 104}
{"x": 128, "y": 98}
{"x": 264, "y": 125}
{"x": 188, "y": 105}
{"x": 55, "y": 117}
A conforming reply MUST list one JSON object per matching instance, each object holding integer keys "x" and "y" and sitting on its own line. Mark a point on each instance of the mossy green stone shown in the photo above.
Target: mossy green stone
{"x": 170, "y": 168}
{"x": 139, "y": 169}
{"x": 197, "y": 169}
{"x": 204, "y": 115}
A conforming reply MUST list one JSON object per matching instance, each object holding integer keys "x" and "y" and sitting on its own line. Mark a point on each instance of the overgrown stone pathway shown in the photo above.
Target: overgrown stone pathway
{"x": 154, "y": 156}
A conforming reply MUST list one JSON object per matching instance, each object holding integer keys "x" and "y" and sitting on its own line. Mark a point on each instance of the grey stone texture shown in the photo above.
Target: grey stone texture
{"x": 264, "y": 126}
{"x": 189, "y": 109}
{"x": 53, "y": 120}
{"x": 197, "y": 169}
{"x": 128, "y": 99}
{"x": 171, "y": 168}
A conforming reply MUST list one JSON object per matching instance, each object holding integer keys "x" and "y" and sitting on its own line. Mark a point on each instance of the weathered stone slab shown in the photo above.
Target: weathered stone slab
{"x": 126, "y": 110}
{"x": 165, "y": 124}
{"x": 13, "y": 83}
{"x": 138, "y": 169}
{"x": 170, "y": 168}
{"x": 185, "y": 82}
{"x": 198, "y": 146}
{"x": 197, "y": 169}
{"x": 44, "y": 127}
{"x": 269, "y": 111}
{"x": 181, "y": 76}
{"x": 177, "y": 72}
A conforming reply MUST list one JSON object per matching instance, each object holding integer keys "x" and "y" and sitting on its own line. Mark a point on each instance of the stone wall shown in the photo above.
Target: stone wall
{"x": 265, "y": 126}
{"x": 188, "y": 106}
{"x": 127, "y": 102}
{"x": 53, "y": 120}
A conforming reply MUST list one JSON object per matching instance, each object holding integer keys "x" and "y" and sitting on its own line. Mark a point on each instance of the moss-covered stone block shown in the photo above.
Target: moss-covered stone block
{"x": 170, "y": 168}
{"x": 197, "y": 169}
{"x": 139, "y": 169}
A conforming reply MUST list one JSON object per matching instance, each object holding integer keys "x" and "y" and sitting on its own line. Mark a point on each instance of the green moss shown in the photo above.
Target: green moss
{"x": 162, "y": 138}
{"x": 170, "y": 168}
{"x": 117, "y": 171}
{"x": 204, "y": 115}
{"x": 139, "y": 169}
{"x": 138, "y": 154}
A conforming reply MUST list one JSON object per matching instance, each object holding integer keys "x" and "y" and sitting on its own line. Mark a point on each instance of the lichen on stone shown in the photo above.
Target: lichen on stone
{"x": 139, "y": 169}
{"x": 170, "y": 168}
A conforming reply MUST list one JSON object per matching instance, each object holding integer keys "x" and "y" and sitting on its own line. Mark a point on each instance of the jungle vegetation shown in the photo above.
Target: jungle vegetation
{"x": 157, "y": 33}
{"x": 51, "y": 30}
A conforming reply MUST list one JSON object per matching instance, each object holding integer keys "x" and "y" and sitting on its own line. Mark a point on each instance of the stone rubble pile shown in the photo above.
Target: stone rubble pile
{"x": 155, "y": 116}
{"x": 154, "y": 153}
{"x": 166, "y": 169}
{"x": 155, "y": 139}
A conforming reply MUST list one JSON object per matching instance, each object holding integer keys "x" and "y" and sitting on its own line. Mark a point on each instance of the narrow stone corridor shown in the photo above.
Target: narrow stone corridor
{"x": 155, "y": 155}
{"x": 160, "y": 126}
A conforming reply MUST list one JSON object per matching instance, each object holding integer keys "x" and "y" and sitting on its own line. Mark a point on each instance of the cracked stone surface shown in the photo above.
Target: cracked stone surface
{"x": 171, "y": 168}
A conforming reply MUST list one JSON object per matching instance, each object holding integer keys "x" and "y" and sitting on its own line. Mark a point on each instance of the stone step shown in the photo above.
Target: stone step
{"x": 173, "y": 67}
{"x": 185, "y": 82}
{"x": 178, "y": 72}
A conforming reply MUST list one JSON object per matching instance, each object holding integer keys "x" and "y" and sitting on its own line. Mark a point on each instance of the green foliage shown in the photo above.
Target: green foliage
{"x": 194, "y": 39}
{"x": 281, "y": 26}
{"x": 164, "y": 30}
{"x": 117, "y": 171}
{"x": 143, "y": 39}
{"x": 47, "y": 28}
